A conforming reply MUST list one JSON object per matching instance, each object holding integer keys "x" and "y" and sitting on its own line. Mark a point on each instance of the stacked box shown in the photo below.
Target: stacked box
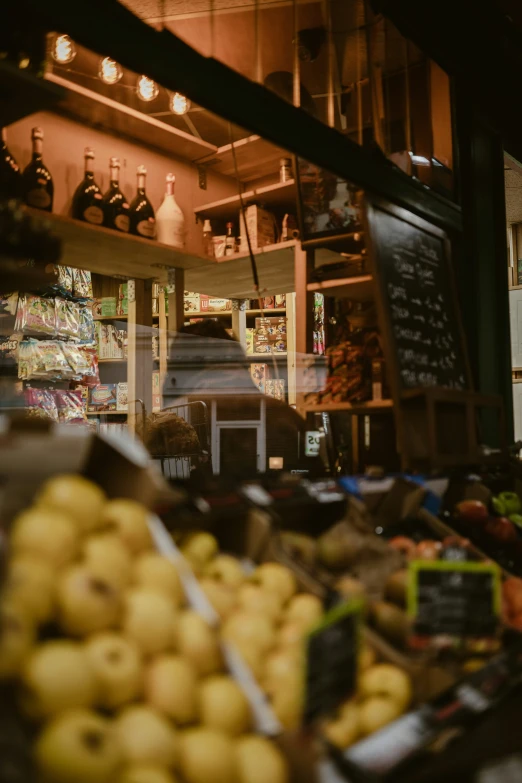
{"x": 270, "y": 335}
{"x": 156, "y": 392}
{"x": 122, "y": 397}
{"x": 261, "y": 228}
{"x": 259, "y": 373}
{"x": 108, "y": 306}
{"x": 103, "y": 398}
{"x": 275, "y": 387}
{"x": 123, "y": 302}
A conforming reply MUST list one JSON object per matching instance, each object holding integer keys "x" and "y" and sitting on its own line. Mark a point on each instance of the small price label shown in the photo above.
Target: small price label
{"x": 332, "y": 660}
{"x": 451, "y": 598}
{"x": 313, "y": 438}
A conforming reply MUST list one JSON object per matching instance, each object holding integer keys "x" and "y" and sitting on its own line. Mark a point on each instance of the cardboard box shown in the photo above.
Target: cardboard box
{"x": 204, "y": 302}
{"x": 191, "y": 304}
{"x": 96, "y": 308}
{"x": 155, "y": 342}
{"x": 103, "y": 398}
{"x": 219, "y": 305}
{"x": 259, "y": 373}
{"x": 33, "y": 452}
{"x": 103, "y": 340}
{"x": 122, "y": 397}
{"x": 270, "y": 335}
{"x": 249, "y": 336}
{"x": 116, "y": 338}
{"x": 275, "y": 387}
{"x": 108, "y": 306}
{"x": 261, "y": 228}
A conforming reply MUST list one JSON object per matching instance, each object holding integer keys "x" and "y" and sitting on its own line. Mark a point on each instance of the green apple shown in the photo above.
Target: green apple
{"x": 76, "y": 496}
{"x": 57, "y": 676}
{"x": 86, "y": 602}
{"x": 171, "y": 686}
{"x": 78, "y": 746}
{"x": 511, "y": 503}
{"x": 116, "y": 662}
{"x": 207, "y": 756}
{"x": 146, "y": 737}
{"x": 129, "y": 520}
{"x": 260, "y": 761}
{"x": 224, "y": 706}
{"x": 149, "y": 620}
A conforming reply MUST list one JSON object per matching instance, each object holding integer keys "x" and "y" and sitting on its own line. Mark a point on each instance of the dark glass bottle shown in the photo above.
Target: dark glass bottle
{"x": 115, "y": 206}
{"x": 87, "y": 200}
{"x": 10, "y": 174}
{"x": 141, "y": 213}
{"x": 38, "y": 187}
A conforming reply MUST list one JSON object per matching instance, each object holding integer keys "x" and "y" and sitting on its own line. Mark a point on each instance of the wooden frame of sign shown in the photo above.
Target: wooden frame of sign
{"x": 426, "y": 355}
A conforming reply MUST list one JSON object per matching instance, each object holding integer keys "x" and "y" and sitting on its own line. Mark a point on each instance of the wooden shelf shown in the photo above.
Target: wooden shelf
{"x": 255, "y": 158}
{"x": 358, "y": 288}
{"x": 221, "y": 313}
{"x": 112, "y": 361}
{"x": 112, "y": 318}
{"x": 267, "y": 356}
{"x": 281, "y": 194}
{"x": 22, "y": 93}
{"x": 106, "y": 413}
{"x": 114, "y": 254}
{"x": 120, "y": 120}
{"x": 231, "y": 277}
{"x": 372, "y": 406}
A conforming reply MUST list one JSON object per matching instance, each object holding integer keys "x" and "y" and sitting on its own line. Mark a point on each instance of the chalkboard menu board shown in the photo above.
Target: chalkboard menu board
{"x": 414, "y": 277}
{"x": 456, "y": 599}
{"x": 332, "y": 655}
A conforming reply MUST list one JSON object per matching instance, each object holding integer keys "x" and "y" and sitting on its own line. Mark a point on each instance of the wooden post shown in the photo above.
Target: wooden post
{"x": 303, "y": 309}
{"x": 291, "y": 354}
{"x": 163, "y": 340}
{"x": 176, "y": 286}
{"x": 139, "y": 350}
{"x": 239, "y": 308}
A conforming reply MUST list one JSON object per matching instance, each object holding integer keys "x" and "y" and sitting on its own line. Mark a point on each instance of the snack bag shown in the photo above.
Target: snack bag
{"x": 86, "y": 333}
{"x": 35, "y": 315}
{"x": 67, "y": 319}
{"x": 42, "y": 400}
{"x": 79, "y": 362}
{"x": 64, "y": 279}
{"x": 70, "y": 405}
{"x": 82, "y": 284}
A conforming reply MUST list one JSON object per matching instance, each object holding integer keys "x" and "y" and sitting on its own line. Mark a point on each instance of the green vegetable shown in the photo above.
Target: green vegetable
{"x": 499, "y": 507}
{"x": 511, "y": 502}
{"x": 516, "y": 519}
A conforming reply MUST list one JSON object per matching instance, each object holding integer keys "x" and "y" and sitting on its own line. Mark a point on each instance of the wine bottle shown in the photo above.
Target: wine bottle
{"x": 38, "y": 187}
{"x": 208, "y": 244}
{"x": 10, "y": 174}
{"x": 170, "y": 220}
{"x": 115, "y": 206}
{"x": 230, "y": 241}
{"x": 87, "y": 200}
{"x": 141, "y": 213}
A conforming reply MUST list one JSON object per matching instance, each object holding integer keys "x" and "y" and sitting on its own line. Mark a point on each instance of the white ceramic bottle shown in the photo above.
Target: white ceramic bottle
{"x": 170, "y": 221}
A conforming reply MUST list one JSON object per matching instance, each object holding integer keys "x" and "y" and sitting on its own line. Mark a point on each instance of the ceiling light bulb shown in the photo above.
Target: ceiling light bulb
{"x": 64, "y": 50}
{"x": 146, "y": 88}
{"x": 179, "y": 103}
{"x": 110, "y": 71}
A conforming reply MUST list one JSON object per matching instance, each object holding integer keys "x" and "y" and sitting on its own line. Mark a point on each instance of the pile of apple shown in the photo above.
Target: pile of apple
{"x": 121, "y": 682}
{"x": 267, "y": 620}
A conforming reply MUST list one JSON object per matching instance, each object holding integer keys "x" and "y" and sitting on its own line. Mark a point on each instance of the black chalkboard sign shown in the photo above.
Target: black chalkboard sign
{"x": 332, "y": 661}
{"x": 411, "y": 265}
{"x": 455, "y": 599}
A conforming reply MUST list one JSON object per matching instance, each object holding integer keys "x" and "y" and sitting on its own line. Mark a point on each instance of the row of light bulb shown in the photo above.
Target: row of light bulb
{"x": 110, "y": 72}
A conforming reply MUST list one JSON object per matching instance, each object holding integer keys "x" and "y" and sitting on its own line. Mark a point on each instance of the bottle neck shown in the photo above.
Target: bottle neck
{"x": 89, "y": 168}
{"x": 169, "y": 188}
{"x": 37, "y": 149}
{"x": 115, "y": 176}
{"x": 141, "y": 184}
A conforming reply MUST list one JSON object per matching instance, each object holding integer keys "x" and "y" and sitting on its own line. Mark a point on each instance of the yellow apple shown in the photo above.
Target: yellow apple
{"x": 78, "y": 746}
{"x": 304, "y": 608}
{"x": 260, "y": 761}
{"x": 146, "y": 737}
{"x": 276, "y": 577}
{"x": 58, "y": 676}
{"x": 198, "y": 642}
{"x": 129, "y": 520}
{"x": 17, "y": 635}
{"x": 171, "y": 686}
{"x": 376, "y": 712}
{"x": 287, "y": 703}
{"x": 31, "y": 583}
{"x": 87, "y": 603}
{"x": 200, "y": 548}
{"x": 253, "y": 657}
{"x": 108, "y": 559}
{"x": 291, "y": 635}
{"x": 280, "y": 665}
{"x": 224, "y": 706}
{"x": 366, "y": 656}
{"x": 244, "y": 628}
{"x": 226, "y": 569}
{"x": 346, "y": 729}
{"x": 221, "y": 596}
{"x": 385, "y": 679}
{"x": 156, "y": 572}
{"x": 149, "y": 620}
{"x": 45, "y": 533}
{"x": 146, "y": 773}
{"x": 207, "y": 756}
{"x": 116, "y": 662}
{"x": 257, "y": 600}
{"x": 76, "y": 496}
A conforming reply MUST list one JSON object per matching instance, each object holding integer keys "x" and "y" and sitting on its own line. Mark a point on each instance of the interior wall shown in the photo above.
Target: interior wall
{"x": 64, "y": 143}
